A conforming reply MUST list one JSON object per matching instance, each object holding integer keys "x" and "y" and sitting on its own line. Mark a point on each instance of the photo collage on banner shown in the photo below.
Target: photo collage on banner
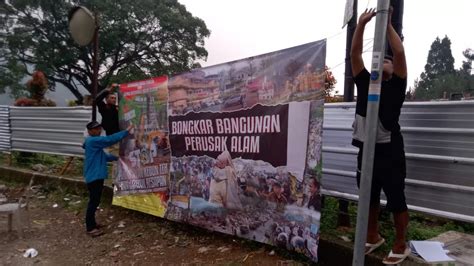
{"x": 246, "y": 147}
{"x": 234, "y": 148}
{"x": 141, "y": 181}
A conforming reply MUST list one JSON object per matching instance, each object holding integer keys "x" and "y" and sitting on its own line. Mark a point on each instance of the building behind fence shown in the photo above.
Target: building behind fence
{"x": 439, "y": 144}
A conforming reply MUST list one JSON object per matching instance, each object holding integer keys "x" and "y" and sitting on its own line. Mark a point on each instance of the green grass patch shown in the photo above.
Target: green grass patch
{"x": 421, "y": 226}
{"x": 52, "y": 164}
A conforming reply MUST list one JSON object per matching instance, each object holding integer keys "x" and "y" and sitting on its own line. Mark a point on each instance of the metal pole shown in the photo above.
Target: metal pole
{"x": 95, "y": 75}
{"x": 343, "y": 218}
{"x": 397, "y": 21}
{"x": 348, "y": 81}
{"x": 371, "y": 130}
{"x": 397, "y": 16}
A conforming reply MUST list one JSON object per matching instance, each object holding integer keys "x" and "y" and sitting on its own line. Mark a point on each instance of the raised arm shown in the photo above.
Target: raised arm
{"x": 399, "y": 61}
{"x": 357, "y": 62}
{"x": 99, "y": 100}
{"x": 106, "y": 141}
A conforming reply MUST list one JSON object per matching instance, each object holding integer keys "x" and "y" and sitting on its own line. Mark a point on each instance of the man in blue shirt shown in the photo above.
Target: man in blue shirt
{"x": 95, "y": 168}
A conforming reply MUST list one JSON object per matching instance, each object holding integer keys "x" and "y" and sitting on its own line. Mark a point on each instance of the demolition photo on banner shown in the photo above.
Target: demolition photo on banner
{"x": 246, "y": 147}
{"x": 143, "y": 166}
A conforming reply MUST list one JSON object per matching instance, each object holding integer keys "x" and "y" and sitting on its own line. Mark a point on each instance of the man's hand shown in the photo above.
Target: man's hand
{"x": 130, "y": 129}
{"x": 390, "y": 12}
{"x": 112, "y": 87}
{"x": 367, "y": 16}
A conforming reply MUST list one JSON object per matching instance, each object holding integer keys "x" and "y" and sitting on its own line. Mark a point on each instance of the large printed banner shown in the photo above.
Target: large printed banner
{"x": 145, "y": 156}
{"x": 243, "y": 147}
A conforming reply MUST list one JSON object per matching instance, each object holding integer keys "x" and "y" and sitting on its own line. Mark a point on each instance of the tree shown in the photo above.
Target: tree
{"x": 137, "y": 39}
{"x": 465, "y": 72}
{"x": 439, "y": 66}
{"x": 329, "y": 85}
{"x": 37, "y": 87}
{"x": 440, "y": 59}
{"x": 329, "y": 81}
{"x": 466, "y": 67}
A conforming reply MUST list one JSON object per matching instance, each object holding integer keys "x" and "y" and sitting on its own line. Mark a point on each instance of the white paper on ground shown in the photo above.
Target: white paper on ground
{"x": 430, "y": 251}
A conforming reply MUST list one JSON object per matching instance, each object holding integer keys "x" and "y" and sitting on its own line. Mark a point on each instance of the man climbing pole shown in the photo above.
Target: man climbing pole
{"x": 389, "y": 169}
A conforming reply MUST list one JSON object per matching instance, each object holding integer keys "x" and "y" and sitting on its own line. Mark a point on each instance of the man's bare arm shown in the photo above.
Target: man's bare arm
{"x": 399, "y": 60}
{"x": 357, "y": 62}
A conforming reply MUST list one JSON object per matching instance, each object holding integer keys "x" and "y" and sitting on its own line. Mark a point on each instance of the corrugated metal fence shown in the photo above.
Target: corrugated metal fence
{"x": 5, "y": 135}
{"x": 439, "y": 141}
{"x": 54, "y": 130}
{"x": 439, "y": 144}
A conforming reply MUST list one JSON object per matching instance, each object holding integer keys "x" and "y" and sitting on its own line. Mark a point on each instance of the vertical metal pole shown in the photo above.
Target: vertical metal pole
{"x": 343, "y": 218}
{"x": 371, "y": 131}
{"x": 95, "y": 75}
{"x": 397, "y": 22}
{"x": 348, "y": 81}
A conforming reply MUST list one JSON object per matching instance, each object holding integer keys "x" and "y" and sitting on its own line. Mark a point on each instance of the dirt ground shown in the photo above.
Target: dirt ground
{"x": 58, "y": 234}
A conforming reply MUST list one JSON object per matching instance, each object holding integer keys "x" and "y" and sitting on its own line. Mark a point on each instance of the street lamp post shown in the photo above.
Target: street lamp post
{"x": 84, "y": 29}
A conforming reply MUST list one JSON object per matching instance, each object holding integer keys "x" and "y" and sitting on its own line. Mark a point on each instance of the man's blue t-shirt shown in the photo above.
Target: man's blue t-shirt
{"x": 95, "y": 161}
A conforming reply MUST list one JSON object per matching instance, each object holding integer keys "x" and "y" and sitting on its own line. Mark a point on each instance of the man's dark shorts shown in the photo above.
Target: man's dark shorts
{"x": 388, "y": 175}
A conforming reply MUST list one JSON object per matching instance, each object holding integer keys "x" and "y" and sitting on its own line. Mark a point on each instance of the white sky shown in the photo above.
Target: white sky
{"x": 243, "y": 28}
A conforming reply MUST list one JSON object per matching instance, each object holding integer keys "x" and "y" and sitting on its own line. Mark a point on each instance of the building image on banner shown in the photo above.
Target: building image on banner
{"x": 245, "y": 141}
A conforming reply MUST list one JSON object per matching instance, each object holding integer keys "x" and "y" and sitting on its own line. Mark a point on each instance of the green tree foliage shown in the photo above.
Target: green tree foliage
{"x": 138, "y": 39}
{"x": 440, "y": 59}
{"x": 440, "y": 76}
{"x": 329, "y": 81}
{"x": 440, "y": 63}
{"x": 467, "y": 65}
{"x": 465, "y": 73}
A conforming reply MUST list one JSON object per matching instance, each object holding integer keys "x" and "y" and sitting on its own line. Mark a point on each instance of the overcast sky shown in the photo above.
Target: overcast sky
{"x": 243, "y": 28}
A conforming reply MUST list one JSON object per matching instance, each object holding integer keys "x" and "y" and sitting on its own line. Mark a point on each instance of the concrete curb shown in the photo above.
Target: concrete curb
{"x": 331, "y": 252}
{"x": 22, "y": 176}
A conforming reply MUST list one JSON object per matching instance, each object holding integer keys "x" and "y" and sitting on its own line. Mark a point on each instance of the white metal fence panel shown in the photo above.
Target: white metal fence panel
{"x": 5, "y": 133}
{"x": 439, "y": 144}
{"x": 54, "y": 130}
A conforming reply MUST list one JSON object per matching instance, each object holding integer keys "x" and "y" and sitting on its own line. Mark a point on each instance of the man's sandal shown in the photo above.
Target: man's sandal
{"x": 371, "y": 247}
{"x": 95, "y": 232}
{"x": 399, "y": 257}
{"x": 100, "y": 226}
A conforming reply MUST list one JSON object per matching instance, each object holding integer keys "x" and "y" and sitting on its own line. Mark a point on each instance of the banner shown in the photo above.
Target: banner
{"x": 246, "y": 147}
{"x": 151, "y": 203}
{"x": 145, "y": 155}
{"x": 238, "y": 149}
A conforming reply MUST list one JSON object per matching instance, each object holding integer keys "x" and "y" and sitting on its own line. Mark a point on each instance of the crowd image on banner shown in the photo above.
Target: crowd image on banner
{"x": 315, "y": 136}
{"x": 250, "y": 199}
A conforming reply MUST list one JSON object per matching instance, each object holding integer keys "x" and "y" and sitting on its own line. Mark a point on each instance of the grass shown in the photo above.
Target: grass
{"x": 65, "y": 197}
{"x": 421, "y": 226}
{"x": 53, "y": 163}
